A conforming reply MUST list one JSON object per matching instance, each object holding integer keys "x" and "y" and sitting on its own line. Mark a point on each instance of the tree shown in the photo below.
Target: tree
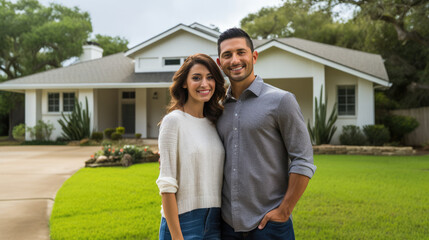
{"x": 110, "y": 44}
{"x": 408, "y": 17}
{"x": 292, "y": 19}
{"x": 35, "y": 38}
{"x": 398, "y": 30}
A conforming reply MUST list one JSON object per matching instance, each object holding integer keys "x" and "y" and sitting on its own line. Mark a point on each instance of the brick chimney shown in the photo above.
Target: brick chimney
{"x": 91, "y": 51}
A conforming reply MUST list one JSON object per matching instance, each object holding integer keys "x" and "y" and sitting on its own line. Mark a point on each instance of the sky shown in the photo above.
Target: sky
{"x": 139, "y": 20}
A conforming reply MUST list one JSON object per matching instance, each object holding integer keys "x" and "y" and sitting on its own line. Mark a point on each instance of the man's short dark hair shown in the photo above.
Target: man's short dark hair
{"x": 234, "y": 33}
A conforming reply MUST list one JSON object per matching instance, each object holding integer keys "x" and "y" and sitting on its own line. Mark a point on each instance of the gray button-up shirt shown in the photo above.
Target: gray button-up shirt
{"x": 265, "y": 139}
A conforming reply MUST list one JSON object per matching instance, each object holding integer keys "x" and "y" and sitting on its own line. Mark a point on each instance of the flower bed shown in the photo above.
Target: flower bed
{"x": 363, "y": 150}
{"x": 125, "y": 156}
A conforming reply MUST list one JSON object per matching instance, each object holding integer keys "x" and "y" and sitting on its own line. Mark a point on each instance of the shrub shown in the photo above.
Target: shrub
{"x": 97, "y": 136}
{"x": 116, "y": 136}
{"x": 352, "y": 135}
{"x": 138, "y": 135}
{"x": 120, "y": 130}
{"x": 323, "y": 130}
{"x": 19, "y": 131}
{"x": 108, "y": 132}
{"x": 377, "y": 135}
{"x": 400, "y": 125}
{"x": 135, "y": 152}
{"x": 76, "y": 125}
{"x": 42, "y": 131}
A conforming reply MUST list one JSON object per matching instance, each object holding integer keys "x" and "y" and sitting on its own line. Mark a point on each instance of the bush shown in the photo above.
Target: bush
{"x": 377, "y": 135}
{"x": 120, "y": 130}
{"x": 352, "y": 135}
{"x": 19, "y": 131}
{"x": 400, "y": 125}
{"x": 116, "y": 136}
{"x": 42, "y": 131}
{"x": 108, "y": 132}
{"x": 135, "y": 152}
{"x": 97, "y": 136}
{"x": 323, "y": 129}
{"x": 76, "y": 125}
{"x": 138, "y": 135}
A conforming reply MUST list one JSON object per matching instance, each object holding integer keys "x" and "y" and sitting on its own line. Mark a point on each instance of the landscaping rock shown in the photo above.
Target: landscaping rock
{"x": 101, "y": 159}
{"x": 127, "y": 160}
{"x": 89, "y": 161}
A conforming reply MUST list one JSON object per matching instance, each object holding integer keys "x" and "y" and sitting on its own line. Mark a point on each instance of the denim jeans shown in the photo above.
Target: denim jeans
{"x": 272, "y": 231}
{"x": 197, "y": 224}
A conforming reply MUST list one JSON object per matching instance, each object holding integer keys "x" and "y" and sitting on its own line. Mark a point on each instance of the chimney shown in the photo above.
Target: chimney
{"x": 91, "y": 51}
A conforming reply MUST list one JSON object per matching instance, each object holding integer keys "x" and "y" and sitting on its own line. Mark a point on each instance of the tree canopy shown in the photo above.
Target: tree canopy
{"x": 111, "y": 45}
{"x": 398, "y": 30}
{"x": 35, "y": 38}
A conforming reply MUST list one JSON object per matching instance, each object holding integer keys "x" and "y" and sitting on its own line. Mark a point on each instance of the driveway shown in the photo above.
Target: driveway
{"x": 30, "y": 177}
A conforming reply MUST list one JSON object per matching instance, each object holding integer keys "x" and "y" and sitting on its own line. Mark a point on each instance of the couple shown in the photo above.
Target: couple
{"x": 232, "y": 166}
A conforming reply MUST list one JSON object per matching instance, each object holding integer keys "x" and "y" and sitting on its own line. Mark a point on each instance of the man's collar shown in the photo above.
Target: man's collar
{"x": 255, "y": 88}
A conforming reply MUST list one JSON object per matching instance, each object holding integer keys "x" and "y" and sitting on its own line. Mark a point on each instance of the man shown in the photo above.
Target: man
{"x": 269, "y": 157}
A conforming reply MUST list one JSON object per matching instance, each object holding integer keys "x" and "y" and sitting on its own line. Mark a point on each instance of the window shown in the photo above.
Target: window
{"x": 53, "y": 102}
{"x": 172, "y": 62}
{"x": 68, "y": 102}
{"x": 346, "y": 100}
{"x": 128, "y": 95}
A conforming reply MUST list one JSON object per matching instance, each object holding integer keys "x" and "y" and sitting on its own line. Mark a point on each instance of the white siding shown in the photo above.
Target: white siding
{"x": 335, "y": 78}
{"x": 156, "y": 107}
{"x": 365, "y": 103}
{"x": 178, "y": 45}
{"x": 107, "y": 102}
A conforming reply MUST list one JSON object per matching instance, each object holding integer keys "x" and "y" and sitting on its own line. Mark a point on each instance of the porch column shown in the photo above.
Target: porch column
{"x": 88, "y": 94}
{"x": 33, "y": 109}
{"x": 365, "y": 111}
{"x": 141, "y": 111}
{"x": 318, "y": 72}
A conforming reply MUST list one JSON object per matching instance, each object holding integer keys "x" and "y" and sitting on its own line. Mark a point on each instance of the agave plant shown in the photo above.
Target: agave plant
{"x": 76, "y": 125}
{"x": 322, "y": 131}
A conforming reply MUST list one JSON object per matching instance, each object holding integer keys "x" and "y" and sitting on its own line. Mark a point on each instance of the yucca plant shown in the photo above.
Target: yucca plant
{"x": 322, "y": 131}
{"x": 76, "y": 125}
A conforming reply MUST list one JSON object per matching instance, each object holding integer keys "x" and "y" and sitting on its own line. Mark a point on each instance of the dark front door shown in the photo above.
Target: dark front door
{"x": 129, "y": 117}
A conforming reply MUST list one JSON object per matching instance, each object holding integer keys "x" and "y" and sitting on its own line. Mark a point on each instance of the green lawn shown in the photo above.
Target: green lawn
{"x": 350, "y": 197}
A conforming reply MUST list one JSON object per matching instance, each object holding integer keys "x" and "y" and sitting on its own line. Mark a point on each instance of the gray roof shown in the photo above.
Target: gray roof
{"x": 111, "y": 69}
{"x": 368, "y": 63}
{"x": 118, "y": 69}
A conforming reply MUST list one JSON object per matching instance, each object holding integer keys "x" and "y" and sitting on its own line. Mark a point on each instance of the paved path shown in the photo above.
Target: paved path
{"x": 30, "y": 176}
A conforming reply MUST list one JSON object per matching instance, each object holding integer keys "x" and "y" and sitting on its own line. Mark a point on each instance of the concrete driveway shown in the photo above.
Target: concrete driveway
{"x": 30, "y": 177}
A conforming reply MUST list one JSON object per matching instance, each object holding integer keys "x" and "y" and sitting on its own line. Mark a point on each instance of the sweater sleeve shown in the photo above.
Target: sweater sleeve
{"x": 168, "y": 150}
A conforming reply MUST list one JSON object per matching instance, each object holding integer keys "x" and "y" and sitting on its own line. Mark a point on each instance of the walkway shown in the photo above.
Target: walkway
{"x": 30, "y": 176}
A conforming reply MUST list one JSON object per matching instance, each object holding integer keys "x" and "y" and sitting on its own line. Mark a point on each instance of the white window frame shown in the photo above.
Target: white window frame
{"x": 61, "y": 101}
{"x": 347, "y": 104}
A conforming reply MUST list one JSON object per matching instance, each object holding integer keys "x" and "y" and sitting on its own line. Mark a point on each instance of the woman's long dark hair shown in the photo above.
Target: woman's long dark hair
{"x": 179, "y": 95}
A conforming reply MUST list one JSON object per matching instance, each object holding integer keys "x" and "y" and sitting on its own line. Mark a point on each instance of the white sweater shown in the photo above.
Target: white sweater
{"x": 192, "y": 158}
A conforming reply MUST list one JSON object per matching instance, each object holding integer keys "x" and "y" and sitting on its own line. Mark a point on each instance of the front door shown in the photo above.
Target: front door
{"x": 129, "y": 117}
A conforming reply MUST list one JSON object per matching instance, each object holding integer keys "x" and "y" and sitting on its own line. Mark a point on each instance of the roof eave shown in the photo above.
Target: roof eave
{"x": 17, "y": 87}
{"x": 326, "y": 62}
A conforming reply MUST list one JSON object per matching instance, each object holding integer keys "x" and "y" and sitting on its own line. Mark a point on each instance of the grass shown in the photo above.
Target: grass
{"x": 350, "y": 197}
{"x": 108, "y": 203}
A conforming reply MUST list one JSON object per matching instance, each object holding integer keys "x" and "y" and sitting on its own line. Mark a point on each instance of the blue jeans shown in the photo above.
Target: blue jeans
{"x": 272, "y": 231}
{"x": 197, "y": 224}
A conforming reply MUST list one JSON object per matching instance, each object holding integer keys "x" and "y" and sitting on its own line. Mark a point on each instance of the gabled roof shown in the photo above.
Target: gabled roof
{"x": 366, "y": 65}
{"x": 108, "y": 72}
{"x": 195, "y": 28}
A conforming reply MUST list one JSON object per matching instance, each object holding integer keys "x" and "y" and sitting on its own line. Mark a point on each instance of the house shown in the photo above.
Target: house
{"x": 131, "y": 89}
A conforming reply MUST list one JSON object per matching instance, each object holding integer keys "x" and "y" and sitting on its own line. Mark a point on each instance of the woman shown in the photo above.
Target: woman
{"x": 192, "y": 155}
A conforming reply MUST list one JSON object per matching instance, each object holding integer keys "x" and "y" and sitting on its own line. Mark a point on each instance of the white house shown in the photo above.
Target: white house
{"x": 131, "y": 89}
